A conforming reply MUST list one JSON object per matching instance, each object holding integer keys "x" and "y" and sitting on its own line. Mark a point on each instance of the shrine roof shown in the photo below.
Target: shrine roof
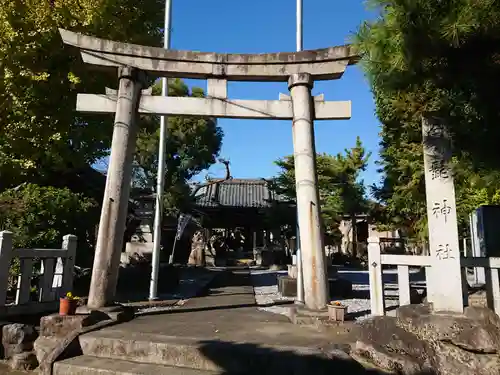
{"x": 241, "y": 193}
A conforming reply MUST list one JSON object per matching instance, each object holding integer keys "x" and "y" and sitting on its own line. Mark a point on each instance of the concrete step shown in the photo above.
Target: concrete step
{"x": 86, "y": 365}
{"x": 213, "y": 355}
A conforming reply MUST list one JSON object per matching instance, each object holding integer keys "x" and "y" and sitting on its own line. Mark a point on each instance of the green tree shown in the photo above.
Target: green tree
{"x": 340, "y": 190}
{"x": 425, "y": 56}
{"x": 40, "y": 129}
{"x": 352, "y": 190}
{"x": 328, "y": 180}
{"x": 40, "y": 216}
{"x": 193, "y": 144}
{"x": 43, "y": 140}
{"x": 438, "y": 55}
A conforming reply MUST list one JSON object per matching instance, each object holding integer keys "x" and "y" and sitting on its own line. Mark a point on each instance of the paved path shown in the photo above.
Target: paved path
{"x": 192, "y": 281}
{"x": 221, "y": 333}
{"x": 229, "y": 313}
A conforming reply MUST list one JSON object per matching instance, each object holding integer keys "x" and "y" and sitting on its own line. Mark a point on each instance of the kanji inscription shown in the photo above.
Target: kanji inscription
{"x": 441, "y": 209}
{"x": 444, "y": 252}
{"x": 438, "y": 169}
{"x": 435, "y": 129}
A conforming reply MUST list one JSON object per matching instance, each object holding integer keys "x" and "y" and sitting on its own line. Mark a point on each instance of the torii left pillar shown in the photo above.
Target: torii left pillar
{"x": 115, "y": 203}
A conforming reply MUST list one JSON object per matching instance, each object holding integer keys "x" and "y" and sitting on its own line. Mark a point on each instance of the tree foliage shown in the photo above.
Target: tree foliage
{"x": 40, "y": 216}
{"x": 40, "y": 129}
{"x": 434, "y": 56}
{"x": 43, "y": 140}
{"x": 340, "y": 189}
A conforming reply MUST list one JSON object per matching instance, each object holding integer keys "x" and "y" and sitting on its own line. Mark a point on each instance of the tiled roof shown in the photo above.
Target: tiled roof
{"x": 238, "y": 193}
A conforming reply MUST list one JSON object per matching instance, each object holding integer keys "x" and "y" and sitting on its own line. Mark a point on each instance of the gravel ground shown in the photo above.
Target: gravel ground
{"x": 269, "y": 299}
{"x": 265, "y": 286}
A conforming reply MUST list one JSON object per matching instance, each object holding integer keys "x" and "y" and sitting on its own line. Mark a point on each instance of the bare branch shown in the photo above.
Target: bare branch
{"x": 216, "y": 180}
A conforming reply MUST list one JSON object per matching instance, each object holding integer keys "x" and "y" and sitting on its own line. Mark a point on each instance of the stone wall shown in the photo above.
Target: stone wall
{"x": 17, "y": 345}
{"x": 418, "y": 341}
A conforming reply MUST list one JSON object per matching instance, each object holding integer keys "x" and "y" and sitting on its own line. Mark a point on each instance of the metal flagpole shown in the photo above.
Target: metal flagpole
{"x": 300, "y": 276}
{"x": 160, "y": 180}
{"x": 300, "y": 45}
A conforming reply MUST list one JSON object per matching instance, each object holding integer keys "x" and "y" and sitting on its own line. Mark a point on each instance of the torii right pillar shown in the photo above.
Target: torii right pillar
{"x": 316, "y": 292}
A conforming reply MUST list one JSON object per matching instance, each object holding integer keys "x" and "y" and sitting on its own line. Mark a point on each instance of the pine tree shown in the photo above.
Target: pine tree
{"x": 340, "y": 190}
{"x": 434, "y": 55}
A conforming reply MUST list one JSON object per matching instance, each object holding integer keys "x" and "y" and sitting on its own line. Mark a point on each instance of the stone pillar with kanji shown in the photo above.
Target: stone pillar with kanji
{"x": 444, "y": 280}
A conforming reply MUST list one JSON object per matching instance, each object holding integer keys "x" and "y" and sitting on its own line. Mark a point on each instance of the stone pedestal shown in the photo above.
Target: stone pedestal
{"x": 287, "y": 286}
{"x": 59, "y": 334}
{"x": 56, "y": 325}
{"x": 116, "y": 313}
{"x": 55, "y": 328}
{"x": 300, "y": 315}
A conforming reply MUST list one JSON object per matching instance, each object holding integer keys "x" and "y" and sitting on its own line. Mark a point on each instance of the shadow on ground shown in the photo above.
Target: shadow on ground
{"x": 215, "y": 308}
{"x": 357, "y": 314}
{"x": 263, "y": 279}
{"x": 361, "y": 277}
{"x": 249, "y": 358}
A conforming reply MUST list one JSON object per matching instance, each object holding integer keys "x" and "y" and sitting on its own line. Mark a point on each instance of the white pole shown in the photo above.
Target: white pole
{"x": 300, "y": 278}
{"x": 160, "y": 179}
{"x": 300, "y": 45}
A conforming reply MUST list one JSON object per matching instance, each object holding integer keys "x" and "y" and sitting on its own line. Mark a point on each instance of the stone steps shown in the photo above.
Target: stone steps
{"x": 87, "y": 365}
{"x": 110, "y": 352}
{"x": 147, "y": 348}
{"x": 220, "y": 333}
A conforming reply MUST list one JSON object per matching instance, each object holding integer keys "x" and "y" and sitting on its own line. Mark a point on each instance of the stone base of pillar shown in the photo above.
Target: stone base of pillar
{"x": 287, "y": 286}
{"x": 118, "y": 313}
{"x": 301, "y": 315}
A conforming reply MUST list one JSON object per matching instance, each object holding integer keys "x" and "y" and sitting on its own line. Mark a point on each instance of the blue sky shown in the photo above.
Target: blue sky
{"x": 269, "y": 26}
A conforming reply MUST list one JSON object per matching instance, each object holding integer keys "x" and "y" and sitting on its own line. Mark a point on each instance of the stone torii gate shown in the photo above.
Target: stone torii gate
{"x": 300, "y": 69}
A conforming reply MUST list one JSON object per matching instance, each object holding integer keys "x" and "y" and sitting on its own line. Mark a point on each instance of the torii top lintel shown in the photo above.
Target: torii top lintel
{"x": 322, "y": 64}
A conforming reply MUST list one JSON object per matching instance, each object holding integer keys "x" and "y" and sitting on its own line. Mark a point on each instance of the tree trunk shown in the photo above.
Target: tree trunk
{"x": 198, "y": 244}
{"x": 354, "y": 236}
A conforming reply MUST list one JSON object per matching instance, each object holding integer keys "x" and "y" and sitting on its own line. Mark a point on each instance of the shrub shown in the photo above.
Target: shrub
{"x": 39, "y": 216}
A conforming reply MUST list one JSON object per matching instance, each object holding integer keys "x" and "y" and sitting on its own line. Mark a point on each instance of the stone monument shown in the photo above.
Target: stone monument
{"x": 445, "y": 282}
{"x": 299, "y": 69}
